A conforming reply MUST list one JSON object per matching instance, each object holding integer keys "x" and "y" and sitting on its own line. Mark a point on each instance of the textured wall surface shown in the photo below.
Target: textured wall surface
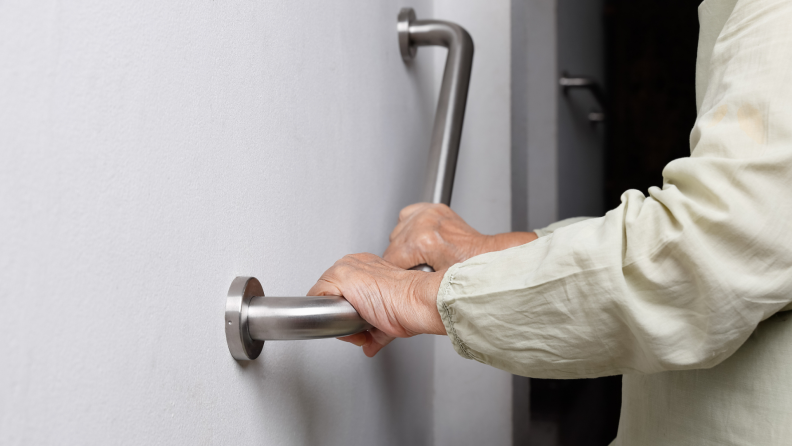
{"x": 150, "y": 152}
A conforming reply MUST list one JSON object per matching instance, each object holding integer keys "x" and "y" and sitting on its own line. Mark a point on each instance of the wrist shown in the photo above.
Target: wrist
{"x": 508, "y": 240}
{"x": 427, "y": 285}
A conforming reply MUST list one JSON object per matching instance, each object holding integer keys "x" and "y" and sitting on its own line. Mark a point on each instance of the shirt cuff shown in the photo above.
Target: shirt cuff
{"x": 444, "y": 296}
{"x": 448, "y": 300}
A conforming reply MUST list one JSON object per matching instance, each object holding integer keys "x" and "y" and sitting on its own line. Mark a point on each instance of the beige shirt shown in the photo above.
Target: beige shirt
{"x": 675, "y": 282}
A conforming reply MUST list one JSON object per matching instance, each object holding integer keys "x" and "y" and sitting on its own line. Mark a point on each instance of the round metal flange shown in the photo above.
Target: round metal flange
{"x": 408, "y": 50}
{"x": 240, "y": 344}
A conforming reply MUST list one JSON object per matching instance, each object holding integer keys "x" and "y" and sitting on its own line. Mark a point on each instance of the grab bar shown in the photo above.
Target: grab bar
{"x": 450, "y": 115}
{"x": 252, "y": 318}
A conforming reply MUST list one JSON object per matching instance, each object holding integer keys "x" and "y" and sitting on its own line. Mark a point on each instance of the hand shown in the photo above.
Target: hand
{"x": 398, "y": 303}
{"x": 436, "y": 235}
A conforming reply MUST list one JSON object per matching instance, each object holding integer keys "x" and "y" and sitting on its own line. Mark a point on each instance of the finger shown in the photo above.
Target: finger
{"x": 397, "y": 230}
{"x": 377, "y": 341}
{"x": 409, "y": 216}
{"x": 405, "y": 219}
{"x": 359, "y": 339}
{"x": 403, "y": 258}
{"x": 324, "y": 288}
{"x": 405, "y": 213}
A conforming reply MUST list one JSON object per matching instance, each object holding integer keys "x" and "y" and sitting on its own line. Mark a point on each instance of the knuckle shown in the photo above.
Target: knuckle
{"x": 406, "y": 211}
{"x": 342, "y": 261}
{"x": 371, "y": 258}
{"x": 441, "y": 209}
{"x": 393, "y": 255}
{"x": 345, "y": 264}
{"x": 338, "y": 270}
{"x": 426, "y": 240}
{"x": 361, "y": 258}
{"x": 350, "y": 261}
{"x": 411, "y": 209}
{"x": 445, "y": 225}
{"x": 426, "y": 219}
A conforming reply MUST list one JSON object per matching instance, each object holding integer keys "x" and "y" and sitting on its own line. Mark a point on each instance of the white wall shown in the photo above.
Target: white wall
{"x": 473, "y": 401}
{"x": 150, "y": 152}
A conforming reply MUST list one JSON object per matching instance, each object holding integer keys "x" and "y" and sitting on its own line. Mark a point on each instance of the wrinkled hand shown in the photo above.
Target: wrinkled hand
{"x": 436, "y": 235}
{"x": 398, "y": 303}
{"x": 402, "y": 303}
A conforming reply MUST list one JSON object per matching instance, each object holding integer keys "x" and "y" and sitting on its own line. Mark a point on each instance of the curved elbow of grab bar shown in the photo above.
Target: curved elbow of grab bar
{"x": 449, "y": 118}
{"x": 414, "y": 33}
{"x": 440, "y": 33}
{"x": 450, "y": 115}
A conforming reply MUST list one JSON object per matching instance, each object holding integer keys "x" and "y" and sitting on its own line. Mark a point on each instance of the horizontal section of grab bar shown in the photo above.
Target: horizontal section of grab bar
{"x": 252, "y": 318}
{"x": 304, "y": 317}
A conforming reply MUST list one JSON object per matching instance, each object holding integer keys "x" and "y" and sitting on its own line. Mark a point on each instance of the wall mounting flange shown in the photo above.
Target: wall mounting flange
{"x": 240, "y": 344}
{"x": 406, "y": 17}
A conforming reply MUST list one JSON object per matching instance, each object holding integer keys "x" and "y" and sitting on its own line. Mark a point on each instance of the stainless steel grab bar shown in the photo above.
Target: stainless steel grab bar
{"x": 252, "y": 318}
{"x": 450, "y": 115}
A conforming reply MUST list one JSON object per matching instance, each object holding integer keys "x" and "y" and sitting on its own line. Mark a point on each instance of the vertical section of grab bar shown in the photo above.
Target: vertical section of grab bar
{"x": 450, "y": 115}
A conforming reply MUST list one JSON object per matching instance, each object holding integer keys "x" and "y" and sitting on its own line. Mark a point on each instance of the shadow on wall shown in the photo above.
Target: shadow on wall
{"x": 287, "y": 390}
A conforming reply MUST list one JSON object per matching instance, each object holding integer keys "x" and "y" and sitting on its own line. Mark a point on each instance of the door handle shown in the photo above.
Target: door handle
{"x": 450, "y": 114}
{"x": 252, "y": 318}
{"x": 567, "y": 82}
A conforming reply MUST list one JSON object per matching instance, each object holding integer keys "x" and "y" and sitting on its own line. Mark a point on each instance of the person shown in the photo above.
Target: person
{"x": 681, "y": 291}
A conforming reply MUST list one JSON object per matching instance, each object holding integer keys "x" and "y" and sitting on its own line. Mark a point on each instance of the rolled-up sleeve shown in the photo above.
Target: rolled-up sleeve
{"x": 675, "y": 280}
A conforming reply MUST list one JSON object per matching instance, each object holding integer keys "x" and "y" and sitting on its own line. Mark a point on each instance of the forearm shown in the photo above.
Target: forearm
{"x": 507, "y": 240}
{"x": 571, "y": 306}
{"x": 675, "y": 280}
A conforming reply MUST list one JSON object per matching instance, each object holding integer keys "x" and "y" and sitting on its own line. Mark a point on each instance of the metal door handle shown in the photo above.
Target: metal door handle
{"x": 566, "y": 82}
{"x": 450, "y": 115}
{"x": 252, "y": 318}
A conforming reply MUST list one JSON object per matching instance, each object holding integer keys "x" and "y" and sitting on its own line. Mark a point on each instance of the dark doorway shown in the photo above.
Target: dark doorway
{"x": 650, "y": 65}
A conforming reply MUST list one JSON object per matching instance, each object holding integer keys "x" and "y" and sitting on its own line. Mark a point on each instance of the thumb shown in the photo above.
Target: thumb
{"x": 372, "y": 341}
{"x": 376, "y": 342}
{"x": 404, "y": 258}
